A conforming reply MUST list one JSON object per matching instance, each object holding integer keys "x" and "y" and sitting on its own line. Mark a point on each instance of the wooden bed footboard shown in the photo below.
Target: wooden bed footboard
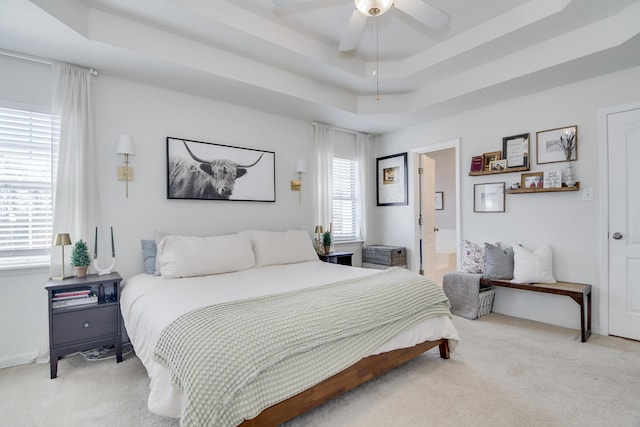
{"x": 359, "y": 373}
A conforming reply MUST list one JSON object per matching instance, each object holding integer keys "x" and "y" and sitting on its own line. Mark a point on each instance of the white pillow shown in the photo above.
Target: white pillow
{"x": 282, "y": 247}
{"x": 533, "y": 267}
{"x": 187, "y": 256}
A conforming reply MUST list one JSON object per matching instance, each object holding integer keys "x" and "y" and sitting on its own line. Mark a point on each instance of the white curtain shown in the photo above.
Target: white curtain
{"x": 323, "y": 144}
{"x": 75, "y": 191}
{"x": 362, "y": 147}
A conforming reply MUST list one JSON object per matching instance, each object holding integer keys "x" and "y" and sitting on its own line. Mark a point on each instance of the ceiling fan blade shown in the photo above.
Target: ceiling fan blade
{"x": 284, "y": 3}
{"x": 423, "y": 12}
{"x": 353, "y": 33}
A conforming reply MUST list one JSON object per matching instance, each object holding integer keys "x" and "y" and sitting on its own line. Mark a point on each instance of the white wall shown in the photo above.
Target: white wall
{"x": 150, "y": 114}
{"x": 563, "y": 220}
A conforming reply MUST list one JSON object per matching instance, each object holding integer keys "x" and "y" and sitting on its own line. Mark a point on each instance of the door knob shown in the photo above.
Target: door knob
{"x": 617, "y": 236}
{"x": 435, "y": 229}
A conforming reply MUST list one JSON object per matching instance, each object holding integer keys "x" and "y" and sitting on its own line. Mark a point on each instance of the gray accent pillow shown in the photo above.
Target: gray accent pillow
{"x": 149, "y": 255}
{"x": 498, "y": 264}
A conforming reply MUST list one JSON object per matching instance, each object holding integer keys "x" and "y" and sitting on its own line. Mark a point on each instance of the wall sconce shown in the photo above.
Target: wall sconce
{"x": 301, "y": 167}
{"x": 62, "y": 240}
{"x": 125, "y": 173}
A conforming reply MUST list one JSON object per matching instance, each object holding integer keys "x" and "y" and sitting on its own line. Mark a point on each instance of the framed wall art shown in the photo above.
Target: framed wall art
{"x": 490, "y": 157}
{"x": 552, "y": 179}
{"x": 557, "y": 145}
{"x": 515, "y": 149}
{"x": 477, "y": 163}
{"x": 498, "y": 165}
{"x": 208, "y": 171}
{"x": 391, "y": 180}
{"x": 488, "y": 197}
{"x": 439, "y": 200}
{"x": 532, "y": 180}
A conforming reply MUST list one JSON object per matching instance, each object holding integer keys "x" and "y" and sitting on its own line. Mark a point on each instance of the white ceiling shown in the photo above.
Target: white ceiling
{"x": 286, "y": 59}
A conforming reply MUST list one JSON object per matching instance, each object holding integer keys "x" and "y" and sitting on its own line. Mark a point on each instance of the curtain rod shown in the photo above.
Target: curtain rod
{"x": 341, "y": 129}
{"x": 26, "y": 57}
{"x": 38, "y": 59}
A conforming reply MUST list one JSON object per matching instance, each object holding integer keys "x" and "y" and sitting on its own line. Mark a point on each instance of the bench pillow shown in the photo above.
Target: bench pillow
{"x": 498, "y": 263}
{"x": 472, "y": 258}
{"x": 533, "y": 267}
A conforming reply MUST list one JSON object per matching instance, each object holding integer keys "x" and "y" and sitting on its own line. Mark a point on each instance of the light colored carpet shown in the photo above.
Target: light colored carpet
{"x": 505, "y": 372}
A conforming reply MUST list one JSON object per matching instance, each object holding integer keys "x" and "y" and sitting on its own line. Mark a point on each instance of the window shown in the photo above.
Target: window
{"x": 26, "y": 184}
{"x": 345, "y": 199}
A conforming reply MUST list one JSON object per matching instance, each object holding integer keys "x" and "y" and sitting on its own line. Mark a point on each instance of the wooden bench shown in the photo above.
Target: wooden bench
{"x": 578, "y": 292}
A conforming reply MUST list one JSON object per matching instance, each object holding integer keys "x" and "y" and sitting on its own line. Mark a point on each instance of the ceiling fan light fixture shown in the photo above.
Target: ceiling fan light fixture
{"x": 373, "y": 7}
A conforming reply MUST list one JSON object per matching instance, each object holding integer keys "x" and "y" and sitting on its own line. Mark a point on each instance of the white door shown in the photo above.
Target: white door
{"x": 428, "y": 196}
{"x": 624, "y": 223}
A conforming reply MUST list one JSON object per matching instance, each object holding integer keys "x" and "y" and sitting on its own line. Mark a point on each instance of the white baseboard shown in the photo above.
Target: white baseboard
{"x": 19, "y": 359}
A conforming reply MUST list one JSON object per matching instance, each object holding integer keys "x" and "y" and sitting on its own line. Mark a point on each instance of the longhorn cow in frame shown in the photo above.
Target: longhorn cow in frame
{"x": 192, "y": 176}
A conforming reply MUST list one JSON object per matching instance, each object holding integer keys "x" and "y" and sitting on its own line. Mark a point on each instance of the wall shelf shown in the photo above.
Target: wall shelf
{"x": 508, "y": 170}
{"x": 543, "y": 190}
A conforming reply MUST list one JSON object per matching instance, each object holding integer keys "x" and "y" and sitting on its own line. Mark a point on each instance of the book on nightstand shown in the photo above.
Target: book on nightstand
{"x": 74, "y": 301}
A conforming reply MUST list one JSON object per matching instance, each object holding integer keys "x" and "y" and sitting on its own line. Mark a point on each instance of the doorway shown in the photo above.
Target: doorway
{"x": 440, "y": 253}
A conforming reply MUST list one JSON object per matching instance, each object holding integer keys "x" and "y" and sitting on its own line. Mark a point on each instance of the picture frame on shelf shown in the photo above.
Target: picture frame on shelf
{"x": 533, "y": 180}
{"x": 477, "y": 163}
{"x": 439, "y": 200}
{"x": 489, "y": 197}
{"x": 552, "y": 178}
{"x": 498, "y": 165}
{"x": 515, "y": 149}
{"x": 391, "y": 180}
{"x": 549, "y": 148}
{"x": 489, "y": 157}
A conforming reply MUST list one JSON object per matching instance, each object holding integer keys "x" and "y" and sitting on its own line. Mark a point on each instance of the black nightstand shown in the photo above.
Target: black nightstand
{"x": 84, "y": 313}
{"x": 343, "y": 258}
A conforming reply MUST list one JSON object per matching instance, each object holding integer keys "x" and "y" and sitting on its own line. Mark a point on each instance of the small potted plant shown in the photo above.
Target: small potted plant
{"x": 326, "y": 241}
{"x": 80, "y": 258}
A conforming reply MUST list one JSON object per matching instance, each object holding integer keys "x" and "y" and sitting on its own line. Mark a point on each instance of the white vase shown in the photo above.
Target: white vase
{"x": 570, "y": 178}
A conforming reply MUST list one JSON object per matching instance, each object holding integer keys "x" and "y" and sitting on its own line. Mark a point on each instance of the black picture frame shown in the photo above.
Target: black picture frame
{"x": 515, "y": 149}
{"x": 241, "y": 174}
{"x": 439, "y": 200}
{"x": 391, "y": 180}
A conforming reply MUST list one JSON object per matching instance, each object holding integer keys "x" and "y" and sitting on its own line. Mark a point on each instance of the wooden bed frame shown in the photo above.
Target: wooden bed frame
{"x": 359, "y": 373}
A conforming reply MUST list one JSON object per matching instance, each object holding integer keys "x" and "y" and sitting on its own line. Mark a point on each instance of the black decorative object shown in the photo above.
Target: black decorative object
{"x": 391, "y": 180}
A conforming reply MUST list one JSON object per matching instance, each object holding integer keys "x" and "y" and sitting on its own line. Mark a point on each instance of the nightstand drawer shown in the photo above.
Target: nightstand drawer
{"x": 84, "y": 324}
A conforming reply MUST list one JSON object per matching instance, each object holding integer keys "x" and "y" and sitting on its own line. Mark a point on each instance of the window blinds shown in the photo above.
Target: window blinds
{"x": 344, "y": 199}
{"x": 26, "y": 190}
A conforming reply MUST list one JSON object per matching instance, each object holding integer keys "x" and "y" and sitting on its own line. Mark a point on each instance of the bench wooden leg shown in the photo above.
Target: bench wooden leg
{"x": 586, "y": 333}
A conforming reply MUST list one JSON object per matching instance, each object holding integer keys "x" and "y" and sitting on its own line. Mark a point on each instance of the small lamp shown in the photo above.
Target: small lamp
{"x": 125, "y": 147}
{"x": 301, "y": 167}
{"x": 62, "y": 240}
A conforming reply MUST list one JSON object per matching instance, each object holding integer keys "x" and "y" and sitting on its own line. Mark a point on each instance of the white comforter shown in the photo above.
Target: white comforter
{"x": 150, "y": 303}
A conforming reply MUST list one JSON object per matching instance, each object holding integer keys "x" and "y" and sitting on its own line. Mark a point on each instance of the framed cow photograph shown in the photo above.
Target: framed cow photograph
{"x": 208, "y": 171}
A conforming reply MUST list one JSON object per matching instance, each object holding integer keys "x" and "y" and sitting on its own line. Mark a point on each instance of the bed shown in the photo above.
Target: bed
{"x": 228, "y": 282}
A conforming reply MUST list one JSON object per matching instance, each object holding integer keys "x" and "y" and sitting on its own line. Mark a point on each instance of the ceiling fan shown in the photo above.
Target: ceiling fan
{"x": 422, "y": 12}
